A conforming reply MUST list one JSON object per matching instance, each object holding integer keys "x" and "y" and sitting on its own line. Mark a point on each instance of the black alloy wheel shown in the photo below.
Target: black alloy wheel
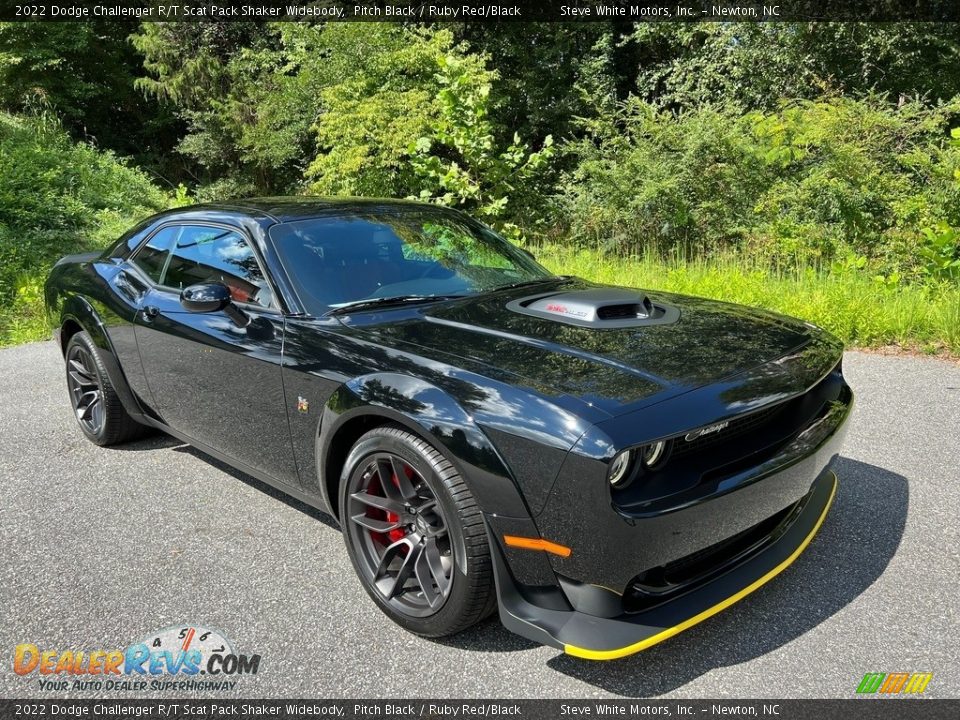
{"x": 414, "y": 533}
{"x": 96, "y": 405}
{"x": 402, "y": 535}
{"x": 86, "y": 390}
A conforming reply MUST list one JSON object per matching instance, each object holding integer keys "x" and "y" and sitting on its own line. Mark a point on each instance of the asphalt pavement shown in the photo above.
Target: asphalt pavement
{"x": 101, "y": 547}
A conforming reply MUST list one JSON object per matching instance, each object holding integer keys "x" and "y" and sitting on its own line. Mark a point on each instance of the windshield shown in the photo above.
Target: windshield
{"x": 336, "y": 261}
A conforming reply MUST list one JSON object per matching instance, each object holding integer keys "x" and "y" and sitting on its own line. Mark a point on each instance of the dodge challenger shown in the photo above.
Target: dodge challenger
{"x": 604, "y": 466}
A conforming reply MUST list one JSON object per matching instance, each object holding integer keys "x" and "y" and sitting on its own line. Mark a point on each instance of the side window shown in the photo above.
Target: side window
{"x": 130, "y": 240}
{"x": 152, "y": 257}
{"x": 206, "y": 254}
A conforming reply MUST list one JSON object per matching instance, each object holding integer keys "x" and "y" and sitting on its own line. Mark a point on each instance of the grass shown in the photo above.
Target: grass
{"x": 859, "y": 309}
{"x": 24, "y": 319}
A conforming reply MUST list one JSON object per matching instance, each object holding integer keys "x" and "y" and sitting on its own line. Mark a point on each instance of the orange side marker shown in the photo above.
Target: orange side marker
{"x": 537, "y": 544}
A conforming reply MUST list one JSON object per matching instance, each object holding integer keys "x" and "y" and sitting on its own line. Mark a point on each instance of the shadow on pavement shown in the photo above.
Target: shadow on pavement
{"x": 856, "y": 543}
{"x": 487, "y": 636}
{"x": 153, "y": 440}
{"x": 167, "y": 441}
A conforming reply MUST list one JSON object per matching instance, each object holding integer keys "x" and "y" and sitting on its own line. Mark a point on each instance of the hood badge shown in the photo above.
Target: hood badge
{"x": 558, "y": 308}
{"x": 303, "y": 406}
{"x": 709, "y": 430}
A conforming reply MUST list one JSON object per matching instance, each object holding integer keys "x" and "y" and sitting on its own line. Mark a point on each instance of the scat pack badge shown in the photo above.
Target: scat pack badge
{"x": 180, "y": 657}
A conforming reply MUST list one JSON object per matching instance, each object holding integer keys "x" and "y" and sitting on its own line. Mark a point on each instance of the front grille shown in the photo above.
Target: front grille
{"x": 694, "y": 468}
{"x": 688, "y": 568}
{"x": 738, "y": 426}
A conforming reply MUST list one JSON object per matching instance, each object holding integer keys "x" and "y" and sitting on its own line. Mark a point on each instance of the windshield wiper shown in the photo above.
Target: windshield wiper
{"x": 385, "y": 301}
{"x": 525, "y": 283}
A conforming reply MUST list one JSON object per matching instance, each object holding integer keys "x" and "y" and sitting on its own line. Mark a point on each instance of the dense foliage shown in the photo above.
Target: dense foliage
{"x": 797, "y": 145}
{"x": 756, "y": 65}
{"x": 86, "y": 73}
{"x": 807, "y": 182}
{"x": 57, "y": 197}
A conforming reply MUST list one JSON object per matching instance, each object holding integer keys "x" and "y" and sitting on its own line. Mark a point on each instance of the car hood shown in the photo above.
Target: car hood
{"x": 612, "y": 368}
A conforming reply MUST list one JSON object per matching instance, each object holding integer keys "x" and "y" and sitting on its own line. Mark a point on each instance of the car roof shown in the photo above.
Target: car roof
{"x": 291, "y": 208}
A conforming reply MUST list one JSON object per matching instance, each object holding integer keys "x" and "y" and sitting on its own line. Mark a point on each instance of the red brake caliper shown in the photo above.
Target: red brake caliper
{"x": 391, "y": 536}
{"x": 396, "y": 533}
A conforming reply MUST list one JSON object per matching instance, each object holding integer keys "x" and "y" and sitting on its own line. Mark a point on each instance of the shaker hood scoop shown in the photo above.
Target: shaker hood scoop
{"x": 600, "y": 307}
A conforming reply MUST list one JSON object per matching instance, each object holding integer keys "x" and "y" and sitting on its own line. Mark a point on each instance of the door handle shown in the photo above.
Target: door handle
{"x": 149, "y": 313}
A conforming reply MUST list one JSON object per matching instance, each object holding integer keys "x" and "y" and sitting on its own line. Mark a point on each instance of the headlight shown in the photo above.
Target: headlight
{"x": 619, "y": 467}
{"x": 650, "y": 455}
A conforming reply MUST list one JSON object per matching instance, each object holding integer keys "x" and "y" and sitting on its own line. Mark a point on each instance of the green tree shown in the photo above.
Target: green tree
{"x": 221, "y": 78}
{"x": 410, "y": 116}
{"x": 86, "y": 72}
{"x": 549, "y": 74}
{"x": 755, "y": 65}
{"x": 378, "y": 83}
{"x": 459, "y": 161}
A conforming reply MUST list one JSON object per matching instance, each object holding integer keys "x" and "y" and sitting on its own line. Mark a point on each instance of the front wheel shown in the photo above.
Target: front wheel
{"x": 96, "y": 405}
{"x": 415, "y": 534}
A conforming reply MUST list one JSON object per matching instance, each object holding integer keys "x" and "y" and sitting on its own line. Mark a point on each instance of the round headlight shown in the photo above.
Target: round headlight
{"x": 619, "y": 467}
{"x": 652, "y": 454}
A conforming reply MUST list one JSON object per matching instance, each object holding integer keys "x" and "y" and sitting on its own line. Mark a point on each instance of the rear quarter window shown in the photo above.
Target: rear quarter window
{"x": 152, "y": 257}
{"x": 131, "y": 240}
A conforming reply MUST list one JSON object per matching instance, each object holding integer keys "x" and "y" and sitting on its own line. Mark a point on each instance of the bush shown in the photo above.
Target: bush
{"x": 810, "y": 182}
{"x": 56, "y": 197}
{"x": 645, "y": 178}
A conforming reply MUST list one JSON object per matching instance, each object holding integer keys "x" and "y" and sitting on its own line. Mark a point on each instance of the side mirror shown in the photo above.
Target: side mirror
{"x": 205, "y": 297}
{"x": 212, "y": 297}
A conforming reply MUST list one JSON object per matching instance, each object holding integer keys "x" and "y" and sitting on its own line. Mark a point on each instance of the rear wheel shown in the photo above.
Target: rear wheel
{"x": 96, "y": 405}
{"x": 415, "y": 534}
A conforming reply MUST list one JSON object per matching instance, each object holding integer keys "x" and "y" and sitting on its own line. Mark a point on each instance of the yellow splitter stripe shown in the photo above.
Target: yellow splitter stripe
{"x": 709, "y": 612}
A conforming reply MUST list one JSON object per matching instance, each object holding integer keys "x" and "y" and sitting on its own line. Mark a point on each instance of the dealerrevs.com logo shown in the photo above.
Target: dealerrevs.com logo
{"x": 180, "y": 657}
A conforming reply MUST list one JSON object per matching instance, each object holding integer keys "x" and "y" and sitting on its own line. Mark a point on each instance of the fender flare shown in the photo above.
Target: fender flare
{"x": 78, "y": 310}
{"x": 436, "y": 416}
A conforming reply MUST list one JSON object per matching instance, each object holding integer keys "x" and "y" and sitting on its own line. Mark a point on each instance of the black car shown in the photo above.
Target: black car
{"x": 605, "y": 465}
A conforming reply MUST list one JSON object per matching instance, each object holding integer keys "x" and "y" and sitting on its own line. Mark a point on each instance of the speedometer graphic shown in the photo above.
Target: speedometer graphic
{"x": 186, "y": 637}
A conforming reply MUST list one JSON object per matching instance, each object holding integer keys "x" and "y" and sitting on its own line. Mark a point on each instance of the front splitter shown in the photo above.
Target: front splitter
{"x": 598, "y": 638}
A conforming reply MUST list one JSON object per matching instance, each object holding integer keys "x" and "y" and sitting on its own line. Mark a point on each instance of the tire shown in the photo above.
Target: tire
{"x": 438, "y": 578}
{"x": 96, "y": 405}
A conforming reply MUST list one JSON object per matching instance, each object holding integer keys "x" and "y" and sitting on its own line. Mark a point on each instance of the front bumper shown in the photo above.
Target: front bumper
{"x": 645, "y": 563}
{"x": 617, "y": 540}
{"x": 607, "y": 638}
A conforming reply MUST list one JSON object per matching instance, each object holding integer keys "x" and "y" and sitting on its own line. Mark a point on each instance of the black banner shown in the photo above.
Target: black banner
{"x": 480, "y": 10}
{"x": 872, "y": 709}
